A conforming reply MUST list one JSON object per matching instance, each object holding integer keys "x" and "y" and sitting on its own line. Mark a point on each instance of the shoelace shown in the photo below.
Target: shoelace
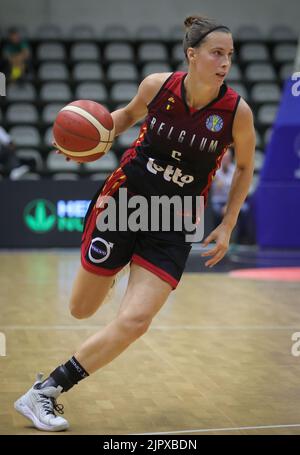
{"x": 49, "y": 404}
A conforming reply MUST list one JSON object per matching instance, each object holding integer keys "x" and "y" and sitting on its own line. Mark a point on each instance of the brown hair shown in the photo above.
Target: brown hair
{"x": 197, "y": 28}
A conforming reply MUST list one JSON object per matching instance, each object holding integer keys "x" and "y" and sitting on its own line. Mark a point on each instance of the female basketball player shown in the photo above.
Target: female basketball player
{"x": 191, "y": 118}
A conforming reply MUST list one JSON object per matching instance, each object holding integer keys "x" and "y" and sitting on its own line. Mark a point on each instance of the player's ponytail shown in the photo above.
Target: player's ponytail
{"x": 198, "y": 20}
{"x": 197, "y": 28}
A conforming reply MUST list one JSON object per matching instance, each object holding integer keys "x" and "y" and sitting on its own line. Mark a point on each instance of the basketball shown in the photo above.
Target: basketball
{"x": 84, "y": 130}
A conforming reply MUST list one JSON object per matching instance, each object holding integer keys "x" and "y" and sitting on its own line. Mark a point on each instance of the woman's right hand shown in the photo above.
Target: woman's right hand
{"x": 59, "y": 152}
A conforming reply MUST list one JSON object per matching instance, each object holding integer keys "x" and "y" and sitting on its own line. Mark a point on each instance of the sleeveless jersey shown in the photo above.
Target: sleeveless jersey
{"x": 180, "y": 148}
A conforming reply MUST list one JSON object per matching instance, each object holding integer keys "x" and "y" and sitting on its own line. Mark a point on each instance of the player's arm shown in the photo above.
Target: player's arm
{"x": 127, "y": 116}
{"x": 244, "y": 146}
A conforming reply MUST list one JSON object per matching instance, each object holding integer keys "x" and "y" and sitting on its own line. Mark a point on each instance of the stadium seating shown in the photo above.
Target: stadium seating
{"x": 88, "y": 71}
{"x": 22, "y": 113}
{"x": 84, "y": 51}
{"x": 53, "y": 71}
{"x": 48, "y": 32}
{"x": 122, "y": 72}
{"x": 82, "y": 32}
{"x": 107, "y": 65}
{"x": 50, "y": 51}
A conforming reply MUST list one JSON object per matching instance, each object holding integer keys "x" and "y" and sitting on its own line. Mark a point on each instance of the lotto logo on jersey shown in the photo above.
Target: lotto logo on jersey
{"x": 169, "y": 173}
{"x": 214, "y": 123}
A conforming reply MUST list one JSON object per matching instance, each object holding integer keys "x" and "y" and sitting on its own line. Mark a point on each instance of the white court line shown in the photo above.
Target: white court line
{"x": 158, "y": 327}
{"x": 208, "y": 430}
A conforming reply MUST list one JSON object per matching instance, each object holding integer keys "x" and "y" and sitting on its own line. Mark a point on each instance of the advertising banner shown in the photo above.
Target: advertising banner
{"x": 47, "y": 213}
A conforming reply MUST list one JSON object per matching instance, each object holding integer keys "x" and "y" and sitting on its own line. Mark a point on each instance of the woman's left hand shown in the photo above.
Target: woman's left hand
{"x": 221, "y": 235}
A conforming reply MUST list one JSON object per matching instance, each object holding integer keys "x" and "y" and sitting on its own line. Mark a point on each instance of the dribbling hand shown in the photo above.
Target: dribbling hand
{"x": 61, "y": 153}
{"x": 58, "y": 151}
{"x": 221, "y": 235}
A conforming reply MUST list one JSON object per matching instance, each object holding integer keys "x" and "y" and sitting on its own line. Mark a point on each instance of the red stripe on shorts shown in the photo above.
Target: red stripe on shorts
{"x": 112, "y": 184}
{"x": 156, "y": 270}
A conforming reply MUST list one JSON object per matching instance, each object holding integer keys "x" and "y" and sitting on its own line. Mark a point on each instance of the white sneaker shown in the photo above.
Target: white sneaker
{"x": 38, "y": 405}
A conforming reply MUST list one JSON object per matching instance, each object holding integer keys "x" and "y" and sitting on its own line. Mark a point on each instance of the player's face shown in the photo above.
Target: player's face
{"x": 213, "y": 58}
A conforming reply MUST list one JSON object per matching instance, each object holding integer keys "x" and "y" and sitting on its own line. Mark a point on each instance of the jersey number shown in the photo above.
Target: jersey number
{"x": 176, "y": 155}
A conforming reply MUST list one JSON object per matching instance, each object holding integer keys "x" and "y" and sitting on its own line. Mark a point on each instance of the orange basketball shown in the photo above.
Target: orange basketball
{"x": 84, "y": 130}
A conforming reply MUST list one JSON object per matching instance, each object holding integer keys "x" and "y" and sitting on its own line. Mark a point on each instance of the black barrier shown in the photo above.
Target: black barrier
{"x": 45, "y": 214}
{"x": 49, "y": 213}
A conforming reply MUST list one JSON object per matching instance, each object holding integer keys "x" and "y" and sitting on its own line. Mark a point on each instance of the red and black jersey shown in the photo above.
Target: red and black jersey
{"x": 180, "y": 148}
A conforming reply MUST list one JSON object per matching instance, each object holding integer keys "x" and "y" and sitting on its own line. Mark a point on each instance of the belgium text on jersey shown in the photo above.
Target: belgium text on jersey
{"x": 183, "y": 137}
{"x": 156, "y": 213}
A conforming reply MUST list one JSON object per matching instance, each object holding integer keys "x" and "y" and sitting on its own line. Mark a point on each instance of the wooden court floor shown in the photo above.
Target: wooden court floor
{"x": 217, "y": 359}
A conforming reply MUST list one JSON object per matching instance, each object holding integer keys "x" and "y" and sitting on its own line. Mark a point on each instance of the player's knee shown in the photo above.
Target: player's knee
{"x": 79, "y": 310}
{"x": 79, "y": 313}
{"x": 134, "y": 325}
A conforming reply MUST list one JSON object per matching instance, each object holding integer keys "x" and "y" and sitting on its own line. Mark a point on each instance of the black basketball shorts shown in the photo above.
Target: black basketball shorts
{"x": 107, "y": 252}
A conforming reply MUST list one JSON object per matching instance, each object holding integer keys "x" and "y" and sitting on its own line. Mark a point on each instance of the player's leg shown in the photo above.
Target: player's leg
{"x": 103, "y": 253}
{"x": 145, "y": 295}
{"x": 39, "y": 403}
{"x": 88, "y": 293}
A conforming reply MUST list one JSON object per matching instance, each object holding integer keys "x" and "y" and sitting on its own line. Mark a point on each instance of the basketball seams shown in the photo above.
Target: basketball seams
{"x": 78, "y": 110}
{"x": 109, "y": 142}
{"x": 85, "y": 153}
{"x": 98, "y": 111}
{"x": 106, "y": 135}
{"x": 76, "y": 135}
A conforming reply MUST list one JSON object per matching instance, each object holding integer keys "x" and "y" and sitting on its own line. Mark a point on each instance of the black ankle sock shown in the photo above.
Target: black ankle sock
{"x": 75, "y": 370}
{"x": 66, "y": 375}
